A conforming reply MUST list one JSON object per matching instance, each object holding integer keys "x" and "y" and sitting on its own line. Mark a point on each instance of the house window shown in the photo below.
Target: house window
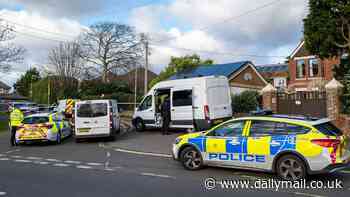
{"x": 314, "y": 68}
{"x": 300, "y": 68}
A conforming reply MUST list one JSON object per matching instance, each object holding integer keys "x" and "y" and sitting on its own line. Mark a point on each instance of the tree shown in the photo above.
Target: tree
{"x": 178, "y": 64}
{"x": 66, "y": 59}
{"x": 327, "y": 27}
{"x": 24, "y": 83}
{"x": 111, "y": 47}
{"x": 327, "y": 34}
{"x": 9, "y": 52}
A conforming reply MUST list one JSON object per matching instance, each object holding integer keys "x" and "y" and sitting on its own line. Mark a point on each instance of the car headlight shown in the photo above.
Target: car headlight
{"x": 177, "y": 140}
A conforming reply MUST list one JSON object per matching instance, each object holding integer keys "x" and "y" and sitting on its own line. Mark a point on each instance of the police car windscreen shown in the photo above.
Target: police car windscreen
{"x": 328, "y": 129}
{"x": 91, "y": 110}
{"x": 36, "y": 120}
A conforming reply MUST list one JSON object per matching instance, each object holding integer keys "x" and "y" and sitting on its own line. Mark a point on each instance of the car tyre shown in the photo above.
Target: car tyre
{"x": 191, "y": 159}
{"x": 139, "y": 125}
{"x": 290, "y": 168}
{"x": 59, "y": 138}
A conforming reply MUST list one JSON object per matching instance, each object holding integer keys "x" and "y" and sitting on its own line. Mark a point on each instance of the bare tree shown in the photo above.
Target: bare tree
{"x": 9, "y": 52}
{"x": 66, "y": 59}
{"x": 111, "y": 47}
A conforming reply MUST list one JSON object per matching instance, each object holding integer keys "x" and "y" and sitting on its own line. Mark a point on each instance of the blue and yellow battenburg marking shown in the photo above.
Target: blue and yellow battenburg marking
{"x": 249, "y": 149}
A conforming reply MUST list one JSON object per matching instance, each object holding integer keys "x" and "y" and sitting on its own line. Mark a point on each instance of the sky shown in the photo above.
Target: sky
{"x": 262, "y": 31}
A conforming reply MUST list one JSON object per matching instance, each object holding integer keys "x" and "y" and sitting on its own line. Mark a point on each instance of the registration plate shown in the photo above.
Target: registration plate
{"x": 218, "y": 121}
{"x": 84, "y": 130}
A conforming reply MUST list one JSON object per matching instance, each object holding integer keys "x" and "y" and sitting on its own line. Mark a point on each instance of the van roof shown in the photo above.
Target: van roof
{"x": 173, "y": 82}
{"x": 95, "y": 101}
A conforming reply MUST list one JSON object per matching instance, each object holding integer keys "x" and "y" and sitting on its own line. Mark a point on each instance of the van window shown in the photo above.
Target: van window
{"x": 146, "y": 104}
{"x": 182, "y": 98}
{"x": 92, "y": 110}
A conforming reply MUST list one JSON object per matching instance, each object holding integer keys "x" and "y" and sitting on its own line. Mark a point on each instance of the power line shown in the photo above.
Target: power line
{"x": 35, "y": 36}
{"x": 223, "y": 53}
{"x": 40, "y": 30}
{"x": 229, "y": 19}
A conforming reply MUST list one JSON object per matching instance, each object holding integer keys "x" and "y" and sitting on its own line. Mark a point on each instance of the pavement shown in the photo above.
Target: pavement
{"x": 99, "y": 168}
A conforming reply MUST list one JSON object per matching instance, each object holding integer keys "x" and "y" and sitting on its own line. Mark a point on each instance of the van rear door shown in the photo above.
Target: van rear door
{"x": 181, "y": 108}
{"x": 92, "y": 118}
{"x": 219, "y": 100}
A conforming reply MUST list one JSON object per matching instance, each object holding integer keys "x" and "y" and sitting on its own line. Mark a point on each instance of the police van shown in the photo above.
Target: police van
{"x": 96, "y": 118}
{"x": 196, "y": 103}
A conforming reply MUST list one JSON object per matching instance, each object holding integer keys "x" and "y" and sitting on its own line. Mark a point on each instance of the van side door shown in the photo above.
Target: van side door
{"x": 181, "y": 108}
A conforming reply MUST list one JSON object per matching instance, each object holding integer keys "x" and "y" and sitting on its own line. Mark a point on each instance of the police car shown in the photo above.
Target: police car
{"x": 44, "y": 127}
{"x": 290, "y": 147}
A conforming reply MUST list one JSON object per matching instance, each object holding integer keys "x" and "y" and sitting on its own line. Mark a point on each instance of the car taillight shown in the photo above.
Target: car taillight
{"x": 326, "y": 142}
{"x": 206, "y": 112}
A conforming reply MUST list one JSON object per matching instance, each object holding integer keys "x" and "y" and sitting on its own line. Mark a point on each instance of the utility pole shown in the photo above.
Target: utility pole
{"x": 135, "y": 91}
{"x": 146, "y": 67}
{"x": 145, "y": 42}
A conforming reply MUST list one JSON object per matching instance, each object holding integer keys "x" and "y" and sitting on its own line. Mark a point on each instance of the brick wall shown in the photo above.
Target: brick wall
{"x": 304, "y": 82}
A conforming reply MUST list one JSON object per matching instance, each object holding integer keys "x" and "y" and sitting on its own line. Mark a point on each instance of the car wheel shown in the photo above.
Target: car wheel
{"x": 139, "y": 125}
{"x": 291, "y": 168}
{"x": 191, "y": 159}
{"x": 58, "y": 138}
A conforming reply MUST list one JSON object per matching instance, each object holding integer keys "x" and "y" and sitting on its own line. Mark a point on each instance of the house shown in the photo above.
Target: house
{"x": 241, "y": 75}
{"x": 4, "y": 88}
{"x": 276, "y": 74}
{"x": 307, "y": 71}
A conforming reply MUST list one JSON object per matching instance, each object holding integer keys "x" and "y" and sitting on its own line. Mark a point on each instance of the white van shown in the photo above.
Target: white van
{"x": 195, "y": 103}
{"x": 96, "y": 118}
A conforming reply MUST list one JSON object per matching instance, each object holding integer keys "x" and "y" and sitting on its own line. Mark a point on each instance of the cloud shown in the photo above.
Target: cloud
{"x": 213, "y": 25}
{"x": 62, "y": 8}
{"x": 38, "y": 34}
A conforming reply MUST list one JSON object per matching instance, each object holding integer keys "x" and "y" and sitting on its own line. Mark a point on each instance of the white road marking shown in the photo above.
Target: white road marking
{"x": 22, "y": 161}
{"x": 72, "y": 162}
{"x": 83, "y": 167}
{"x": 34, "y": 158}
{"x": 43, "y": 162}
{"x": 143, "y": 153}
{"x": 53, "y": 160}
{"x": 3, "y": 193}
{"x": 156, "y": 175}
{"x": 16, "y": 156}
{"x": 4, "y": 159}
{"x": 306, "y": 194}
{"x": 94, "y": 164}
{"x": 11, "y": 151}
{"x": 61, "y": 165}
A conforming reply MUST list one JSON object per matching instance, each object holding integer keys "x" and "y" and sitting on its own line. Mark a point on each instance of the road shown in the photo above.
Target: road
{"x": 92, "y": 169}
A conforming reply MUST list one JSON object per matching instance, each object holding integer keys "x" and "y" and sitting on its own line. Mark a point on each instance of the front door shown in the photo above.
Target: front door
{"x": 181, "y": 108}
{"x": 226, "y": 144}
{"x": 260, "y": 143}
{"x": 146, "y": 112}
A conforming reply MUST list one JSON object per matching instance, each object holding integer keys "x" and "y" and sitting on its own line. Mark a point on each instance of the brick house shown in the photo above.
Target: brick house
{"x": 307, "y": 71}
{"x": 276, "y": 74}
{"x": 241, "y": 75}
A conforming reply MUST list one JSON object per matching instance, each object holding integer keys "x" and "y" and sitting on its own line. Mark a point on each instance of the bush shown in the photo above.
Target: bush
{"x": 245, "y": 102}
